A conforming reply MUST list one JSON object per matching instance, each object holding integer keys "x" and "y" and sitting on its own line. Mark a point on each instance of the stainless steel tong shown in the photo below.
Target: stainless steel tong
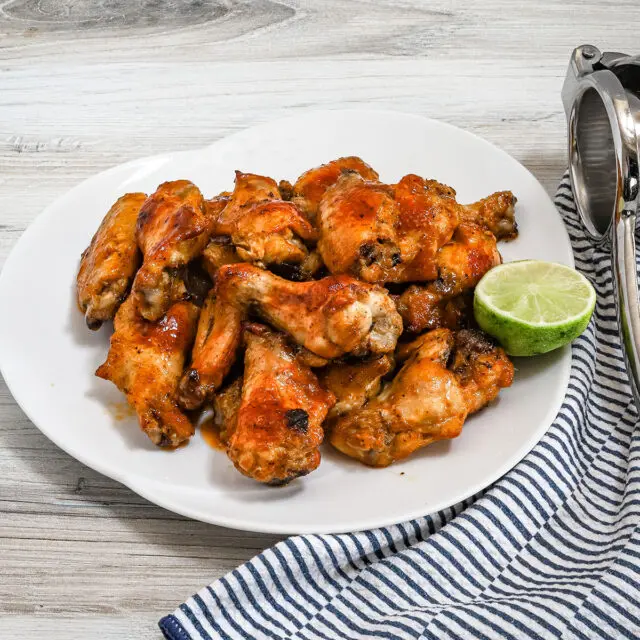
{"x": 601, "y": 97}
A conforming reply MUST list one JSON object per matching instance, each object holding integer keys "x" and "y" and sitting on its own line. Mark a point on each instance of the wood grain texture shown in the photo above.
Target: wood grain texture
{"x": 87, "y": 85}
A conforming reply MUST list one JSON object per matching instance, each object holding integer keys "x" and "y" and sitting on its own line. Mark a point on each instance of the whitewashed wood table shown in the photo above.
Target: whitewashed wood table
{"x": 87, "y": 85}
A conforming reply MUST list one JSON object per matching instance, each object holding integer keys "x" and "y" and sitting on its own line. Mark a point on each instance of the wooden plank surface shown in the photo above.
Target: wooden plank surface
{"x": 86, "y": 85}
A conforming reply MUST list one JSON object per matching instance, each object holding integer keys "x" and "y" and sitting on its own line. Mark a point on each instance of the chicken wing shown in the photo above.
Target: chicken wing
{"x": 357, "y": 221}
{"x": 423, "y": 404}
{"x": 428, "y": 215}
{"x": 482, "y": 369}
{"x": 329, "y": 317}
{"x": 495, "y": 212}
{"x": 173, "y": 229}
{"x": 109, "y": 263}
{"x": 426, "y": 401}
{"x": 353, "y": 383}
{"x": 217, "y": 340}
{"x": 311, "y": 185}
{"x": 279, "y": 422}
{"x": 145, "y": 362}
{"x": 460, "y": 265}
{"x": 264, "y": 228}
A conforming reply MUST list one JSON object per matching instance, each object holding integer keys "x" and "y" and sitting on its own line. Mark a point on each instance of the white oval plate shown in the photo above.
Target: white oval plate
{"x": 48, "y": 356}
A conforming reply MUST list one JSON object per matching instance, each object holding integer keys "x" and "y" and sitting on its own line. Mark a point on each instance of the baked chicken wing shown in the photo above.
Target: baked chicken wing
{"x": 262, "y": 227}
{"x": 330, "y": 317}
{"x": 145, "y": 362}
{"x": 279, "y": 422}
{"x": 460, "y": 265}
{"x": 109, "y": 263}
{"x": 173, "y": 229}
{"x": 312, "y": 185}
{"x": 426, "y": 401}
{"x": 495, "y": 212}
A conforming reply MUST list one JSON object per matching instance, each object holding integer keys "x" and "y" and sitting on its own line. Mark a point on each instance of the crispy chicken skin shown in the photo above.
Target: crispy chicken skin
{"x": 145, "y": 362}
{"x": 426, "y": 401}
{"x": 311, "y": 186}
{"x": 264, "y": 228}
{"x": 173, "y": 229}
{"x": 353, "y": 383}
{"x": 279, "y": 422}
{"x": 482, "y": 369}
{"x": 357, "y": 221}
{"x": 330, "y": 317}
{"x": 460, "y": 264}
{"x": 109, "y": 263}
{"x": 495, "y": 212}
{"x": 428, "y": 215}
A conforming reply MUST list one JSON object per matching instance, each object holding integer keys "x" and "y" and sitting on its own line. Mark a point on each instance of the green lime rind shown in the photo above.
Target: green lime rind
{"x": 522, "y": 337}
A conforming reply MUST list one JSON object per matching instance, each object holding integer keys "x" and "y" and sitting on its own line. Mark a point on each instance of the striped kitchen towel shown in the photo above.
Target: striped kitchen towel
{"x": 552, "y": 550}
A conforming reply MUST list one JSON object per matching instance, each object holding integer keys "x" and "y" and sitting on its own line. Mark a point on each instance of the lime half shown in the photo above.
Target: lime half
{"x": 533, "y": 307}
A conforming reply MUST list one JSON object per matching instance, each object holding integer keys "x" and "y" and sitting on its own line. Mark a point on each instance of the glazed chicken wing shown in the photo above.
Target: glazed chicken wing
{"x": 422, "y": 404}
{"x": 214, "y": 352}
{"x": 279, "y": 422}
{"x": 330, "y": 317}
{"x": 495, "y": 212}
{"x": 426, "y": 401}
{"x": 460, "y": 265}
{"x": 312, "y": 185}
{"x": 357, "y": 221}
{"x": 263, "y": 228}
{"x": 145, "y": 362}
{"x": 109, "y": 263}
{"x": 173, "y": 229}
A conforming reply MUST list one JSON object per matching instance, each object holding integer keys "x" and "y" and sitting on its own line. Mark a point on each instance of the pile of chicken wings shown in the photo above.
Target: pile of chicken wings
{"x": 337, "y": 307}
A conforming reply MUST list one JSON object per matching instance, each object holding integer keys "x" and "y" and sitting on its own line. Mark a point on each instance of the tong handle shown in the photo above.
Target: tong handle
{"x": 626, "y": 289}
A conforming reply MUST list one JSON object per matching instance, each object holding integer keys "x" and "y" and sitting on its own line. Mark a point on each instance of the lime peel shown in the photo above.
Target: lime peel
{"x": 533, "y": 307}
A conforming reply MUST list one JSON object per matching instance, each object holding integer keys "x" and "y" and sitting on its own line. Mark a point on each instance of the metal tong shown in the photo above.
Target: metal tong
{"x": 601, "y": 97}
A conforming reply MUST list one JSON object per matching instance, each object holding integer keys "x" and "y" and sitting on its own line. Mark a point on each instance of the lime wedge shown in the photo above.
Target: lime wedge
{"x": 532, "y": 307}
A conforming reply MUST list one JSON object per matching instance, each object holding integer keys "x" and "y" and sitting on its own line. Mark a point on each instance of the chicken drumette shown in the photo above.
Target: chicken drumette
{"x": 173, "y": 229}
{"x": 278, "y": 427}
{"x": 145, "y": 362}
{"x": 426, "y": 401}
{"x": 109, "y": 263}
{"x": 330, "y": 317}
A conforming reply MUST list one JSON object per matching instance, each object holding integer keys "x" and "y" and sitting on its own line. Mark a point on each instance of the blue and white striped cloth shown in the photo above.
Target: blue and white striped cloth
{"x": 552, "y": 550}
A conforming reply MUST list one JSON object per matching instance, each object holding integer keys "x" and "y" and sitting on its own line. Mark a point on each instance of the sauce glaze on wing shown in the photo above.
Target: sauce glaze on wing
{"x": 109, "y": 263}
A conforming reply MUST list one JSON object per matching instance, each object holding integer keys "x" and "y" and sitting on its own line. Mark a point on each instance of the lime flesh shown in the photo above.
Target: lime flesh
{"x": 532, "y": 307}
